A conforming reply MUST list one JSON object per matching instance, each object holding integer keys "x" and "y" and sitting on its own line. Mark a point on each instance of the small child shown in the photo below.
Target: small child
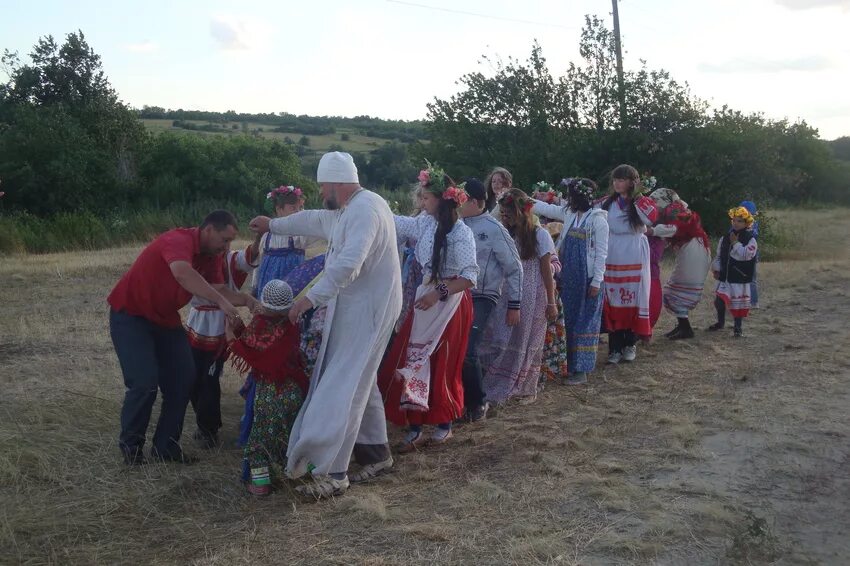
{"x": 754, "y": 286}
{"x": 733, "y": 268}
{"x": 205, "y": 327}
{"x": 269, "y": 347}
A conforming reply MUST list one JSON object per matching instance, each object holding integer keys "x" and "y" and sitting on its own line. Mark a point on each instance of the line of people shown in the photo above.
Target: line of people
{"x": 498, "y": 292}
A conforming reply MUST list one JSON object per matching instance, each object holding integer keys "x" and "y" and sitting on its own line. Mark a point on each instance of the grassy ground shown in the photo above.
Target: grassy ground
{"x": 712, "y": 451}
{"x": 356, "y": 142}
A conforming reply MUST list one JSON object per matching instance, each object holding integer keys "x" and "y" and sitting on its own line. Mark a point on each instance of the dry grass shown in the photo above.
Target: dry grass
{"x": 711, "y": 451}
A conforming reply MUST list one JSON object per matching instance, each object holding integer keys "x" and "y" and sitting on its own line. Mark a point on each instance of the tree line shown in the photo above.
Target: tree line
{"x": 67, "y": 142}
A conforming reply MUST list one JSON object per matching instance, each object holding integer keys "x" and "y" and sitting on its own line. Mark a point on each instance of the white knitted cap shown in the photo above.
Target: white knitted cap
{"x": 277, "y": 295}
{"x": 337, "y": 167}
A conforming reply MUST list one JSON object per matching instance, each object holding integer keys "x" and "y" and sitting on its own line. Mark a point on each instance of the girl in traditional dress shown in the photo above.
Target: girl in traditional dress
{"x": 625, "y": 308}
{"x": 513, "y": 354}
{"x": 420, "y": 378}
{"x": 733, "y": 268}
{"x": 280, "y": 254}
{"x": 269, "y": 347}
{"x": 411, "y": 270}
{"x": 583, "y": 250}
{"x": 682, "y": 228}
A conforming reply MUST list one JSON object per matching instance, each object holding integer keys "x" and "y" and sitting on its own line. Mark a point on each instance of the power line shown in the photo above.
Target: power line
{"x": 487, "y": 16}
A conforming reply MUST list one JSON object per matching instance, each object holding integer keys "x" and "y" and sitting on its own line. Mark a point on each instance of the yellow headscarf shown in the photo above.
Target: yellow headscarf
{"x": 743, "y": 214}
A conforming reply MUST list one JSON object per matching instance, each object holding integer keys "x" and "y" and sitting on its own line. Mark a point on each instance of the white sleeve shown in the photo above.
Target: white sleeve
{"x": 360, "y": 233}
{"x": 600, "y": 243}
{"x": 408, "y": 227}
{"x": 553, "y": 211}
{"x": 740, "y": 252}
{"x": 242, "y": 262}
{"x": 545, "y": 245}
{"x": 715, "y": 265}
{"x": 313, "y": 223}
{"x": 465, "y": 256}
{"x": 664, "y": 231}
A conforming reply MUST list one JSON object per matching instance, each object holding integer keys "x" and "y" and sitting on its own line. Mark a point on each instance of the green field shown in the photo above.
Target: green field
{"x": 355, "y": 143}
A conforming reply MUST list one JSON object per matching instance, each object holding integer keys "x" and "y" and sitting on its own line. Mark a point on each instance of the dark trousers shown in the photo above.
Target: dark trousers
{"x": 473, "y": 375}
{"x": 152, "y": 358}
{"x": 206, "y": 391}
{"x": 619, "y": 339}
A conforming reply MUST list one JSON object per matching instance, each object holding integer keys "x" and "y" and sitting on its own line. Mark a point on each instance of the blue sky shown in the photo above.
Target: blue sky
{"x": 786, "y": 58}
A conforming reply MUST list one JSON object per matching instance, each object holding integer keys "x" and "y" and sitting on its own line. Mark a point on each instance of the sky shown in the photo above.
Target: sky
{"x": 389, "y": 58}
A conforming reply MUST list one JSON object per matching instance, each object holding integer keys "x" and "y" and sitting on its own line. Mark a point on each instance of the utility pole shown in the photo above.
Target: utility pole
{"x": 621, "y": 86}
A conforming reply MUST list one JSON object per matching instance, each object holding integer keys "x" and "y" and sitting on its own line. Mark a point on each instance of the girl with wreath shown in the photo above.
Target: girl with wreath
{"x": 421, "y": 376}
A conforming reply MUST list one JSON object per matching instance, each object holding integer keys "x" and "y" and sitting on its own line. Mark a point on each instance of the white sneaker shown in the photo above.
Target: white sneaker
{"x": 324, "y": 487}
{"x": 615, "y": 357}
{"x": 629, "y": 353}
{"x": 371, "y": 471}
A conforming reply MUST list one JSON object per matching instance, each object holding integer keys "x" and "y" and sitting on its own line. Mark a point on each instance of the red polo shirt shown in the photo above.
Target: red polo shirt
{"x": 150, "y": 290}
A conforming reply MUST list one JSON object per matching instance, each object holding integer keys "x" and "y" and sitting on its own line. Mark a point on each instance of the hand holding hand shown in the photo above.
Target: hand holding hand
{"x": 260, "y": 224}
{"x": 301, "y": 306}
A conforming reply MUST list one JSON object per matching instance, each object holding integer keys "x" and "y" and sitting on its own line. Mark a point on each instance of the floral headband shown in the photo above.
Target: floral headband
{"x": 742, "y": 213}
{"x": 550, "y": 195}
{"x": 283, "y": 191}
{"x": 433, "y": 180}
{"x": 648, "y": 182}
{"x": 525, "y": 204}
{"x": 577, "y": 185}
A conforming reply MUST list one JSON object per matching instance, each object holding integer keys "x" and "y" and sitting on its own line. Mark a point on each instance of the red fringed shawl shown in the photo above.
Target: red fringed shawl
{"x": 688, "y": 226}
{"x": 270, "y": 347}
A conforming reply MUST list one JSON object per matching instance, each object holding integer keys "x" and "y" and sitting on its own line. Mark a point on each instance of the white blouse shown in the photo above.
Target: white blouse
{"x": 459, "y": 258}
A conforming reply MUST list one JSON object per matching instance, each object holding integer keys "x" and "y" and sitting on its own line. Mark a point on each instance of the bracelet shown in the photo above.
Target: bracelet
{"x": 443, "y": 289}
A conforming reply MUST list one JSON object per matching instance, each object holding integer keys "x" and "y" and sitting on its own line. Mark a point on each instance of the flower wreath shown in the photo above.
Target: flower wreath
{"x": 548, "y": 190}
{"x": 648, "y": 183}
{"x": 576, "y": 184}
{"x": 433, "y": 180}
{"x": 284, "y": 190}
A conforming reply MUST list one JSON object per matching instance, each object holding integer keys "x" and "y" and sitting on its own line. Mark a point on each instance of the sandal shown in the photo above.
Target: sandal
{"x": 412, "y": 441}
{"x": 440, "y": 436}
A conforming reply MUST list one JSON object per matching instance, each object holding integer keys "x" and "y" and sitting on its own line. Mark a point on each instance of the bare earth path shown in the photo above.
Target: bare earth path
{"x": 716, "y": 451}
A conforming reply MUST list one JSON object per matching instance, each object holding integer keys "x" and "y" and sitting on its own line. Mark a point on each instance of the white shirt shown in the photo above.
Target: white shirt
{"x": 459, "y": 259}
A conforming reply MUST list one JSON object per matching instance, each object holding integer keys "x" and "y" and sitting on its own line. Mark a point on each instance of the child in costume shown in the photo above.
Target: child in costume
{"x": 269, "y": 347}
{"x": 733, "y": 268}
{"x": 754, "y": 286}
{"x": 205, "y": 327}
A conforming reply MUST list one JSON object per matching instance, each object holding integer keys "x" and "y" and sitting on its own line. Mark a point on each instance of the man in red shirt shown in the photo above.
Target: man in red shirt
{"x": 148, "y": 335}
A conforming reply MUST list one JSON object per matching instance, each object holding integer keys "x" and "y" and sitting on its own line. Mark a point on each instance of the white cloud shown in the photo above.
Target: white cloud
{"x": 809, "y": 4}
{"x": 811, "y": 63}
{"x": 233, "y": 33}
{"x": 142, "y": 47}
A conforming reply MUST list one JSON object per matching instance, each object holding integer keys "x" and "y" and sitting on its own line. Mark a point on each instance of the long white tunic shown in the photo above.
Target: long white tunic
{"x": 361, "y": 287}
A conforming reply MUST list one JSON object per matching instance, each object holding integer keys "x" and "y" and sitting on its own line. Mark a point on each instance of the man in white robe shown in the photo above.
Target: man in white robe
{"x": 361, "y": 286}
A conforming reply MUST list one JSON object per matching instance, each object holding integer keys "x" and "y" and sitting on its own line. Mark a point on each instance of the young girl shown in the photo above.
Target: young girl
{"x": 625, "y": 307}
{"x": 269, "y": 347}
{"x": 754, "y": 287}
{"x": 733, "y": 268}
{"x": 420, "y": 378}
{"x": 497, "y": 184}
{"x": 280, "y": 254}
{"x": 682, "y": 228}
{"x": 513, "y": 354}
{"x": 583, "y": 250}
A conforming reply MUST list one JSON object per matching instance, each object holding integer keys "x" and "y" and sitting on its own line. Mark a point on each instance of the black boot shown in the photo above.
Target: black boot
{"x": 685, "y": 330}
{"x": 739, "y": 330}
{"x": 720, "y": 307}
{"x": 674, "y": 331}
